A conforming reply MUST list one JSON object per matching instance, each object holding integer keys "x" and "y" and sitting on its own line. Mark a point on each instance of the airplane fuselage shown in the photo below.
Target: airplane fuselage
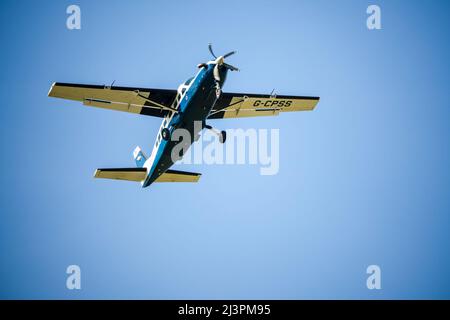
{"x": 193, "y": 103}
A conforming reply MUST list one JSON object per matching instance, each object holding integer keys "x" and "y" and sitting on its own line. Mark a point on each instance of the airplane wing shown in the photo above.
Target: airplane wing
{"x": 237, "y": 105}
{"x": 145, "y": 101}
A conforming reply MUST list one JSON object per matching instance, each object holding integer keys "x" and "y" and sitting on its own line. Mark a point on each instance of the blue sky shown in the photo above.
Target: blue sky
{"x": 364, "y": 179}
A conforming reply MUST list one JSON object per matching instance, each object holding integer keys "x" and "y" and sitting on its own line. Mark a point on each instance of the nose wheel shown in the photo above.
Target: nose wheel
{"x": 222, "y": 134}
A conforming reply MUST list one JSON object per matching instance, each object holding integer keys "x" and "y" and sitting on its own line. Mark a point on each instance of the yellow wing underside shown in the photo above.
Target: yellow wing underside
{"x": 139, "y": 175}
{"x": 255, "y": 106}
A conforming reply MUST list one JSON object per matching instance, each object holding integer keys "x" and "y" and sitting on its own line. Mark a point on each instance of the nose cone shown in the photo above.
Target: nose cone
{"x": 219, "y": 60}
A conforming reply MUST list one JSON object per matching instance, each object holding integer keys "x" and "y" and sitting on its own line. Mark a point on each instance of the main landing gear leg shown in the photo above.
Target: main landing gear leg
{"x": 222, "y": 134}
{"x": 218, "y": 90}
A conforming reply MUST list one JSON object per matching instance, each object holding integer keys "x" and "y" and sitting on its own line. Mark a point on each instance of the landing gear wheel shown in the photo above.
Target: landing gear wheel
{"x": 223, "y": 136}
{"x": 165, "y": 134}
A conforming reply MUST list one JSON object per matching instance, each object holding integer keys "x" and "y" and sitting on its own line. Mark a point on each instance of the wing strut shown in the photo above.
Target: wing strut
{"x": 156, "y": 103}
{"x": 230, "y": 105}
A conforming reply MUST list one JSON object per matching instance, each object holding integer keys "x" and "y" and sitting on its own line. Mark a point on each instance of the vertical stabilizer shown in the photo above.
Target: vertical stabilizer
{"x": 139, "y": 157}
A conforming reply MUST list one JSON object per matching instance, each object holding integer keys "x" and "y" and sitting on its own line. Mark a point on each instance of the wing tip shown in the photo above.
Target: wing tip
{"x": 49, "y": 94}
{"x": 96, "y": 173}
{"x": 316, "y": 99}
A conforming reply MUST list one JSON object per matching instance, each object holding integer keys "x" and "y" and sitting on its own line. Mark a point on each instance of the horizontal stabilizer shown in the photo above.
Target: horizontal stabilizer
{"x": 178, "y": 176}
{"x": 129, "y": 174}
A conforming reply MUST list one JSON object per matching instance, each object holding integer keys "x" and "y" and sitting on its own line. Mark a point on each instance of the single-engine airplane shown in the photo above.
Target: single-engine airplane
{"x": 200, "y": 98}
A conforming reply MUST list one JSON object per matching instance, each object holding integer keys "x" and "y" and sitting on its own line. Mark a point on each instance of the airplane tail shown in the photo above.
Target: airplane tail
{"x": 139, "y": 157}
{"x": 140, "y": 173}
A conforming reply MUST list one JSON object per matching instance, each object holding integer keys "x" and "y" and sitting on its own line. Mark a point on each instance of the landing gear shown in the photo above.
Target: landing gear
{"x": 218, "y": 90}
{"x": 222, "y": 134}
{"x": 165, "y": 134}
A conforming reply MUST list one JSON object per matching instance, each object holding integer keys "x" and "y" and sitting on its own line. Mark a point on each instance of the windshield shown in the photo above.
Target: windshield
{"x": 188, "y": 81}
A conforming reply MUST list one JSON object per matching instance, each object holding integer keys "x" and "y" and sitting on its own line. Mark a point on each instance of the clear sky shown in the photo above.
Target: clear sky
{"x": 364, "y": 179}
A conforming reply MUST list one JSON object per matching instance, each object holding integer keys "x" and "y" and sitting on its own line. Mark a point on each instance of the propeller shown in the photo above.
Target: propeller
{"x": 225, "y": 55}
{"x": 220, "y": 61}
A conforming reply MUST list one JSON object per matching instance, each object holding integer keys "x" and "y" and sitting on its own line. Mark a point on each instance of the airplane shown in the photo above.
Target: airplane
{"x": 198, "y": 99}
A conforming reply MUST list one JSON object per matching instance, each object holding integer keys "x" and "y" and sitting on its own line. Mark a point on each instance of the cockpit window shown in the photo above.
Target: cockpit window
{"x": 188, "y": 81}
{"x": 183, "y": 90}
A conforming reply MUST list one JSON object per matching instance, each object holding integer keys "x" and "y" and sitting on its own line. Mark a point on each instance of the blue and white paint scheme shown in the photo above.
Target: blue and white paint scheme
{"x": 196, "y": 100}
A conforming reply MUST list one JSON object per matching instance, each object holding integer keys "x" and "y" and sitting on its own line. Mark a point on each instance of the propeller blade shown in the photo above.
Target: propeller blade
{"x": 229, "y": 66}
{"x": 229, "y": 54}
{"x": 211, "y": 50}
